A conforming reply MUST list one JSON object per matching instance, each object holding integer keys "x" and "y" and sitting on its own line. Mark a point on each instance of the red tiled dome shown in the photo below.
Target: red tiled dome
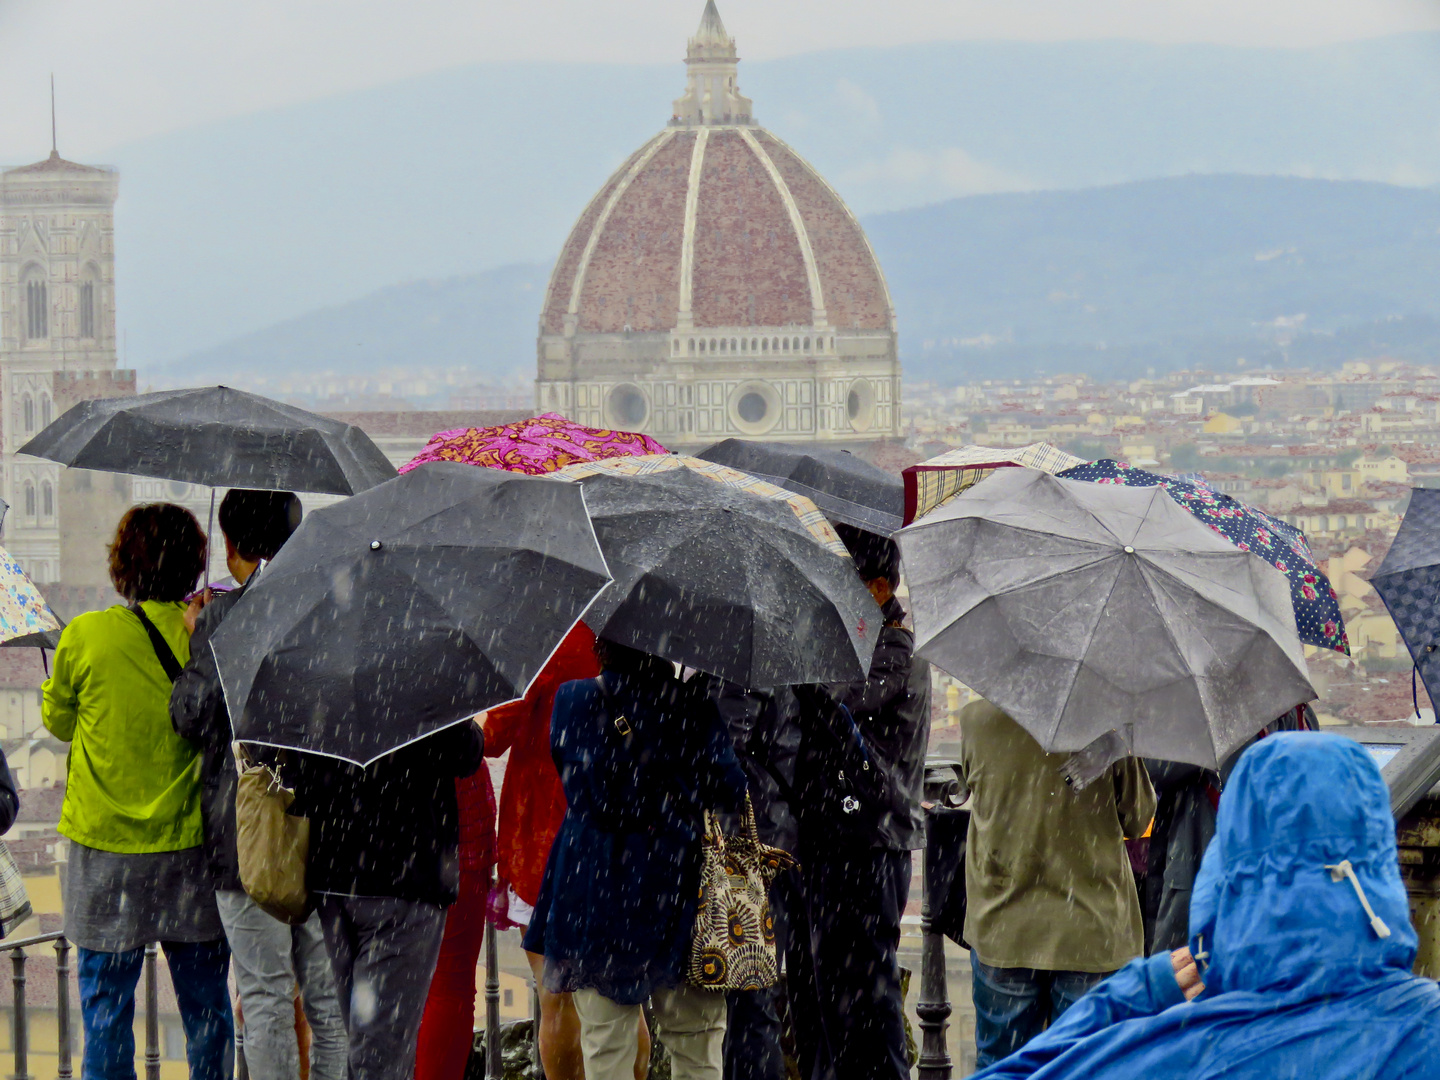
{"x": 726, "y": 225}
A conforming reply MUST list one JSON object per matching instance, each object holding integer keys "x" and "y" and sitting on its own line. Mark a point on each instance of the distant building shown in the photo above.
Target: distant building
{"x": 57, "y": 347}
{"x": 717, "y": 286}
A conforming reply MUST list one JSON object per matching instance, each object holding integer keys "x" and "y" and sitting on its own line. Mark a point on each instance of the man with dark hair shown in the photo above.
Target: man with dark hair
{"x": 269, "y": 956}
{"x": 866, "y": 740}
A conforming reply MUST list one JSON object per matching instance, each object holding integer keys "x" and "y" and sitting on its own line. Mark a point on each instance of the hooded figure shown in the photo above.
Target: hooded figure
{"x": 1301, "y": 930}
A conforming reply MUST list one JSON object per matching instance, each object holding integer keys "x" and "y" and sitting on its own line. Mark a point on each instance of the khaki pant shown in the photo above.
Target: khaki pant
{"x": 690, "y": 1022}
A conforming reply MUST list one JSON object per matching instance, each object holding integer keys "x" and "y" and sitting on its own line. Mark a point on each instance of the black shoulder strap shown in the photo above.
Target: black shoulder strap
{"x": 162, "y": 648}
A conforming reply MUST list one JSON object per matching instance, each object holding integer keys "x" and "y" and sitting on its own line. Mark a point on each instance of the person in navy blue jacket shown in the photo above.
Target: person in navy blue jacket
{"x": 1300, "y": 952}
{"x": 641, "y": 756}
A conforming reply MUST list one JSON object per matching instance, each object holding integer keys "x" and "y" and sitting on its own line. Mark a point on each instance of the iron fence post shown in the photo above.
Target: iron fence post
{"x": 21, "y": 1040}
{"x": 63, "y": 1070}
{"x": 493, "y": 1069}
{"x": 535, "y": 1029}
{"x": 942, "y": 793}
{"x": 933, "y": 1006}
{"x": 152, "y": 1013}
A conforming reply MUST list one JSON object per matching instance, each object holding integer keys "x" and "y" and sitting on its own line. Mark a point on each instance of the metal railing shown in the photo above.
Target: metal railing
{"x": 20, "y": 1020}
{"x": 20, "y": 1031}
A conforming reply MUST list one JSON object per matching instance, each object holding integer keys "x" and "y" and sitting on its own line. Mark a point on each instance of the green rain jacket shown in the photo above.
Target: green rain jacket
{"x": 132, "y": 784}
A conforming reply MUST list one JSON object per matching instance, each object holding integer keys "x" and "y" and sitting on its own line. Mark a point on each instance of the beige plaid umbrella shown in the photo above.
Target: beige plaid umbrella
{"x": 935, "y": 482}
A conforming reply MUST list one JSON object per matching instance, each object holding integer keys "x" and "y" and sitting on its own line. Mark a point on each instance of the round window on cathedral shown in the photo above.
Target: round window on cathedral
{"x": 755, "y": 407}
{"x": 860, "y": 405}
{"x": 628, "y": 407}
{"x": 752, "y": 407}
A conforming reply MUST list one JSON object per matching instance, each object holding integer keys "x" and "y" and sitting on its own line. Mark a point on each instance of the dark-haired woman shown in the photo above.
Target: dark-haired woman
{"x": 136, "y": 871}
{"x": 641, "y": 755}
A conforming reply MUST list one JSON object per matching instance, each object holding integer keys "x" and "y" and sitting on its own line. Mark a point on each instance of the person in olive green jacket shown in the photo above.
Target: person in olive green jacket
{"x": 1052, "y": 907}
{"x": 136, "y": 871}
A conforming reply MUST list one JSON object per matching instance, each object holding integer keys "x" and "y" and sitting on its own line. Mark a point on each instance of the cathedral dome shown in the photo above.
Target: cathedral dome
{"x": 715, "y": 241}
{"x": 716, "y": 228}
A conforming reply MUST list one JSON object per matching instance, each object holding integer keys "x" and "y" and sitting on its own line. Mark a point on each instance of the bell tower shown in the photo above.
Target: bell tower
{"x": 57, "y": 332}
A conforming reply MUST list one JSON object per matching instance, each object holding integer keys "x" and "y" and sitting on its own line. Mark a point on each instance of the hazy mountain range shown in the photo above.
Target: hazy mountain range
{"x": 1200, "y": 270}
{"x": 236, "y": 226}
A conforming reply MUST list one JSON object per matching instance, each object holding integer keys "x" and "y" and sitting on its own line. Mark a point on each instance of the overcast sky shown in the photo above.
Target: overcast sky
{"x": 126, "y": 69}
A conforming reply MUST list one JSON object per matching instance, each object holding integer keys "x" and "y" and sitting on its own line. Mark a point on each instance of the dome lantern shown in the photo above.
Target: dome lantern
{"x": 712, "y": 95}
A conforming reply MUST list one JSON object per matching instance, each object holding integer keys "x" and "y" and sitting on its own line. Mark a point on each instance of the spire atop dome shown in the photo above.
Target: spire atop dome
{"x": 711, "y": 94}
{"x": 712, "y": 30}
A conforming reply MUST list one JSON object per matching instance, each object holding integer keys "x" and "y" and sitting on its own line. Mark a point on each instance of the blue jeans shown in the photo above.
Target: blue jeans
{"x": 1013, "y": 1005}
{"x": 107, "y": 1003}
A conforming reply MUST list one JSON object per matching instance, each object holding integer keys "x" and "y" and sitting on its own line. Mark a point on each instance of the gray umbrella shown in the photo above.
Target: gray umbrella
{"x": 406, "y": 608}
{"x": 846, "y": 488}
{"x": 1098, "y": 614}
{"x": 218, "y": 436}
{"x": 725, "y": 573}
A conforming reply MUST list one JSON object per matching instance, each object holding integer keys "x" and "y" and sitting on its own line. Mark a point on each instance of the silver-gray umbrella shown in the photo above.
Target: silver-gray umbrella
{"x": 1104, "y": 616}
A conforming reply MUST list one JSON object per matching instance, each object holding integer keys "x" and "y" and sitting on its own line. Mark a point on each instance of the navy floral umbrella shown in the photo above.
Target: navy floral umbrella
{"x": 1317, "y": 609}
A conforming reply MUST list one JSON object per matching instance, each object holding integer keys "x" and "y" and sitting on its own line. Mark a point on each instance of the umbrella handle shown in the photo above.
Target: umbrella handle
{"x": 209, "y": 539}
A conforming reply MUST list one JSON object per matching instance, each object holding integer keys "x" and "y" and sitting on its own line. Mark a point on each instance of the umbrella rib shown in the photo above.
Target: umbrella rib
{"x": 1150, "y": 584}
{"x": 1102, "y": 552}
{"x": 1080, "y": 664}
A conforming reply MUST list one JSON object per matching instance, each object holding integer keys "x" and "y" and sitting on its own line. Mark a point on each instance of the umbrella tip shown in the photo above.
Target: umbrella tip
{"x": 376, "y": 545}
{"x": 1129, "y": 550}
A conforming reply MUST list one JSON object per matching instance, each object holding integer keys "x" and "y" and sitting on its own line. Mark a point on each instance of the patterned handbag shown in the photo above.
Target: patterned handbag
{"x": 733, "y": 947}
{"x": 14, "y": 901}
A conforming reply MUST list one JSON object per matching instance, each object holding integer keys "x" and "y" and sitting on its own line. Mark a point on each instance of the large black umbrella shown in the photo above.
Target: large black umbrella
{"x": 846, "y": 488}
{"x": 1408, "y": 581}
{"x": 722, "y": 572}
{"x": 217, "y": 436}
{"x": 407, "y": 608}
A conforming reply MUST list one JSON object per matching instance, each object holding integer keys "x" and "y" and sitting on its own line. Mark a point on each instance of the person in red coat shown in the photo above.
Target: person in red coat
{"x": 532, "y": 806}
{"x": 447, "y": 1030}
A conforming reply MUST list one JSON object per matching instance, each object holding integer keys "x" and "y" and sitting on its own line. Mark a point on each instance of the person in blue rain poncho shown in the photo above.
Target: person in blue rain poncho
{"x": 1301, "y": 941}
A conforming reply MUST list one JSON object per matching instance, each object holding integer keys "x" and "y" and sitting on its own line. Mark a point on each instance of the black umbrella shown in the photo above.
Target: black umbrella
{"x": 407, "y": 608}
{"x": 217, "y": 436}
{"x": 1408, "y": 581}
{"x": 846, "y": 488}
{"x": 725, "y": 573}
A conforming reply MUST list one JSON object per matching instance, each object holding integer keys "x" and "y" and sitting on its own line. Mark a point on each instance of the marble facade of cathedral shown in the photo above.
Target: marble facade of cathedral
{"x": 717, "y": 286}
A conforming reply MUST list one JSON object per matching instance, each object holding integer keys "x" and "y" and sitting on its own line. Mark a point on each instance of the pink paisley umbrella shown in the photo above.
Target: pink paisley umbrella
{"x": 541, "y": 444}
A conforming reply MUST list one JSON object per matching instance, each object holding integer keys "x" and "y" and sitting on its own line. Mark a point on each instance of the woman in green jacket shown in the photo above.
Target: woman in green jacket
{"x": 136, "y": 871}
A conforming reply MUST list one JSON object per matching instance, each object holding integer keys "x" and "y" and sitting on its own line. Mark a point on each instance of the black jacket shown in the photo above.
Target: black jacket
{"x": 392, "y": 829}
{"x": 891, "y": 708}
{"x": 765, "y": 728}
{"x": 1184, "y": 826}
{"x": 198, "y": 713}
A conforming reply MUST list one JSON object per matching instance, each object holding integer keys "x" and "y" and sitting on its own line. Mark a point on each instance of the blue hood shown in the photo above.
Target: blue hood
{"x": 1299, "y": 985}
{"x": 1265, "y": 906}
